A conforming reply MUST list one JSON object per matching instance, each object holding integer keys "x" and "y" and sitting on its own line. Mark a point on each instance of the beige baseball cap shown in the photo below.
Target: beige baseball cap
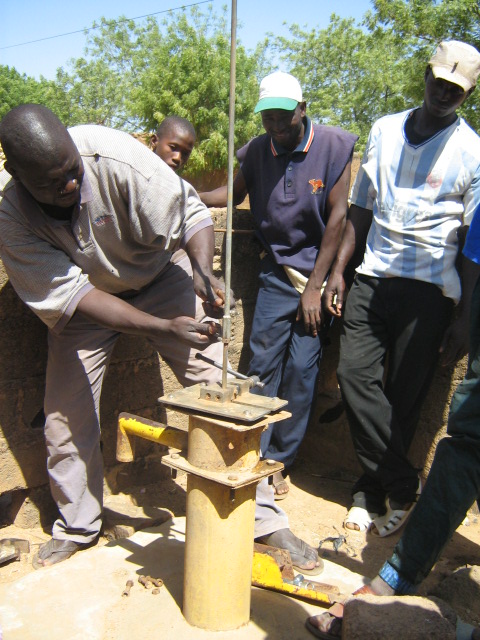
{"x": 456, "y": 62}
{"x": 279, "y": 90}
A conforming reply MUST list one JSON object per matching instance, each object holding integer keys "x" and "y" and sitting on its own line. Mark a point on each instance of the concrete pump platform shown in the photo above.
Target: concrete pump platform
{"x": 81, "y": 598}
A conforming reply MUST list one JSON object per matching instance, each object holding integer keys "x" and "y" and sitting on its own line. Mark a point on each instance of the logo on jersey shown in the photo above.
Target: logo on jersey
{"x": 101, "y": 221}
{"x": 317, "y": 184}
{"x": 434, "y": 180}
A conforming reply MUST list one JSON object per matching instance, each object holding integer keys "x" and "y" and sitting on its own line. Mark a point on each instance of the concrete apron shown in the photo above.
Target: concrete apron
{"x": 81, "y": 599}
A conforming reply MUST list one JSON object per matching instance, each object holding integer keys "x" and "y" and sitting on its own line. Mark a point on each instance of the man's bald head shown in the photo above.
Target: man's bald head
{"x": 41, "y": 155}
{"x": 30, "y": 133}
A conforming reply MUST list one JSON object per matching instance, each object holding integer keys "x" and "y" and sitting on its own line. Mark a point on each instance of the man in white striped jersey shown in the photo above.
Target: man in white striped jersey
{"x": 414, "y": 197}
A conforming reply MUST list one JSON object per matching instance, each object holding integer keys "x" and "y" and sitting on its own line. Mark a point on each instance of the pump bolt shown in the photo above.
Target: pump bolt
{"x": 145, "y": 580}
{"x": 129, "y": 585}
{"x": 157, "y": 582}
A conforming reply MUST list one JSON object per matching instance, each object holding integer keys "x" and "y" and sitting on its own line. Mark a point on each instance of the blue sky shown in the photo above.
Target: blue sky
{"x": 26, "y": 20}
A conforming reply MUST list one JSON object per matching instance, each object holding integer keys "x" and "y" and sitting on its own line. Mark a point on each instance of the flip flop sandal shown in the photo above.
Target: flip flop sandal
{"x": 392, "y": 521}
{"x": 360, "y": 517}
{"x": 310, "y": 572}
{"x": 277, "y": 485}
{"x": 334, "y": 633}
{"x": 300, "y": 553}
{"x": 55, "y": 551}
{"x": 307, "y": 572}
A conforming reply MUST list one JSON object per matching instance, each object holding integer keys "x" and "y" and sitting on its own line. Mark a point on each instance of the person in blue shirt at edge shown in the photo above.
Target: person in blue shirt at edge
{"x": 297, "y": 177}
{"x": 413, "y": 223}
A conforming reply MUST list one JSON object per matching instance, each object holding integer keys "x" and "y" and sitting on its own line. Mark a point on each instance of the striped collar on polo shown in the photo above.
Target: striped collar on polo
{"x": 304, "y": 145}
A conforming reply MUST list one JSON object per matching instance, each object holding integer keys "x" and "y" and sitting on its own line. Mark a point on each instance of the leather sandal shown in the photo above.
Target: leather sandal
{"x": 334, "y": 631}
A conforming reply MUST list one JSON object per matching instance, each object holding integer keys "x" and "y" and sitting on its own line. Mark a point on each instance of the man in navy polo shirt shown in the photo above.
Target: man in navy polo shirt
{"x": 297, "y": 176}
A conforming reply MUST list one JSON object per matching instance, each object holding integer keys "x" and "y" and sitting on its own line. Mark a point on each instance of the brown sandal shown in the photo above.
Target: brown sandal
{"x": 336, "y": 612}
{"x": 55, "y": 551}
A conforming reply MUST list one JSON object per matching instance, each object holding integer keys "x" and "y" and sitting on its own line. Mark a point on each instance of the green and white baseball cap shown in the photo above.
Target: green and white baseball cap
{"x": 279, "y": 90}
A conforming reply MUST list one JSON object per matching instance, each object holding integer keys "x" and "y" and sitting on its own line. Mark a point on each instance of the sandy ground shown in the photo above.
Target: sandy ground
{"x": 316, "y": 507}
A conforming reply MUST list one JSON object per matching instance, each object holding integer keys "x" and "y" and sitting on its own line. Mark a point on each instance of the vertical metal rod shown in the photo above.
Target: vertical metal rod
{"x": 226, "y": 325}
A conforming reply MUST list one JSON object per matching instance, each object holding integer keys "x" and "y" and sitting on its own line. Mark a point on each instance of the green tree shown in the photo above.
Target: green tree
{"x": 16, "y": 88}
{"x": 98, "y": 87}
{"x": 349, "y": 77}
{"x": 93, "y": 94}
{"x": 138, "y": 74}
{"x": 352, "y": 74}
{"x": 426, "y": 23}
{"x": 430, "y": 21}
{"x": 189, "y": 75}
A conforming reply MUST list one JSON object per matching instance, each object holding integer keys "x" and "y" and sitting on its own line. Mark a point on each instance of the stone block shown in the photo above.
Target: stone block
{"x": 32, "y": 508}
{"x": 398, "y": 618}
{"x": 23, "y": 465}
{"x": 145, "y": 470}
{"x": 461, "y": 590}
{"x": 122, "y": 518}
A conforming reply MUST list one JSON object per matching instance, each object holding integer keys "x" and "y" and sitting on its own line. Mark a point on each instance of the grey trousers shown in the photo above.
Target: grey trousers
{"x": 77, "y": 361}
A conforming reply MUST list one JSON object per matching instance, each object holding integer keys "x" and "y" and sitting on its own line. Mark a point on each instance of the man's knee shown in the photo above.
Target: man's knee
{"x": 349, "y": 371}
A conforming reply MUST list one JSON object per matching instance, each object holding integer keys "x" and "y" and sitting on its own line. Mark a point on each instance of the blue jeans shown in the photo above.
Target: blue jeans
{"x": 453, "y": 484}
{"x": 285, "y": 358}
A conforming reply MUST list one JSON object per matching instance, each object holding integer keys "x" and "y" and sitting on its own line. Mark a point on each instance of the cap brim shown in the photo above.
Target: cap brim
{"x": 287, "y": 104}
{"x": 454, "y": 78}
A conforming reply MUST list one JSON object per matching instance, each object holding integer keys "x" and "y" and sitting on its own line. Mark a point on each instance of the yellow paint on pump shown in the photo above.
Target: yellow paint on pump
{"x": 129, "y": 426}
{"x": 266, "y": 574}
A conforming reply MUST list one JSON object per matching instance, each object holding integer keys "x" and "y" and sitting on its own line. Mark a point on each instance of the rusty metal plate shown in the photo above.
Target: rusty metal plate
{"x": 233, "y": 479}
{"x": 245, "y": 407}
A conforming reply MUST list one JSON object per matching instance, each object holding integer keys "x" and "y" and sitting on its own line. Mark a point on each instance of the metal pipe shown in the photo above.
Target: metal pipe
{"x": 255, "y": 380}
{"x": 130, "y": 426}
{"x": 226, "y": 325}
{"x": 218, "y": 555}
{"x": 223, "y": 466}
{"x": 219, "y": 529}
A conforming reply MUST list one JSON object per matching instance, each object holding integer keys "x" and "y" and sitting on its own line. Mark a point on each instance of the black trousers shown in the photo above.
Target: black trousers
{"x": 392, "y": 331}
{"x": 453, "y": 483}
